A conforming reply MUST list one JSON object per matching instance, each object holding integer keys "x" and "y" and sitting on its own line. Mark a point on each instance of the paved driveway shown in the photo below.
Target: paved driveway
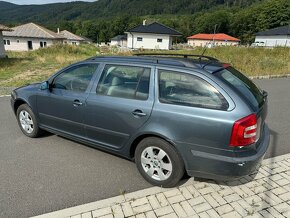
{"x": 52, "y": 173}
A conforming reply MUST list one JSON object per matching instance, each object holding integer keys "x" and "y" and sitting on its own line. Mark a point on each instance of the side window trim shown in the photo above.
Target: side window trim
{"x": 231, "y": 104}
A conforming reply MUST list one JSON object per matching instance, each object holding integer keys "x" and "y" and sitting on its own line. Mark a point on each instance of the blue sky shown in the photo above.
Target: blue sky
{"x": 28, "y": 2}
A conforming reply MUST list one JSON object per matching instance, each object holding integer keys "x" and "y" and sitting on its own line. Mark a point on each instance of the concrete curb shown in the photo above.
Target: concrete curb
{"x": 134, "y": 195}
{"x": 270, "y": 76}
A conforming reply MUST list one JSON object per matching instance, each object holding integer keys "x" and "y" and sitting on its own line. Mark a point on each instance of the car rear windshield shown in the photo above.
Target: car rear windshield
{"x": 242, "y": 84}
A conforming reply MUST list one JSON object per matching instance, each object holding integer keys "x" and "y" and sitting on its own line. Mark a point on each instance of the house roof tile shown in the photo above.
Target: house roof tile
{"x": 283, "y": 30}
{"x": 217, "y": 36}
{"x": 5, "y": 28}
{"x": 70, "y": 36}
{"x": 155, "y": 28}
{"x": 32, "y": 30}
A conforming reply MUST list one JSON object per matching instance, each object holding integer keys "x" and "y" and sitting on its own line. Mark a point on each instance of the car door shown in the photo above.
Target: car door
{"x": 62, "y": 107}
{"x": 119, "y": 104}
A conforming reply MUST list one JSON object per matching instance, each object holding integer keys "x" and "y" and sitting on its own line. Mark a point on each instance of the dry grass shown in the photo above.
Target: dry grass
{"x": 27, "y": 67}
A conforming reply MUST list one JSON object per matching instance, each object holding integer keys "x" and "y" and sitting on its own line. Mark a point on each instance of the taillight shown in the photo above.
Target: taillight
{"x": 245, "y": 131}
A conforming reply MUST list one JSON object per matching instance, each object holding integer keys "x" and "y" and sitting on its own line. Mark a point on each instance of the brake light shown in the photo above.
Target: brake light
{"x": 244, "y": 131}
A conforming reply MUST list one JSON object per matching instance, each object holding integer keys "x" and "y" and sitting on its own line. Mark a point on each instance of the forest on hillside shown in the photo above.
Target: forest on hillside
{"x": 105, "y": 19}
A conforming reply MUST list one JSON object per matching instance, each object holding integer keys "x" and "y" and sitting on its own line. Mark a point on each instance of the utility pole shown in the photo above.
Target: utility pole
{"x": 214, "y": 31}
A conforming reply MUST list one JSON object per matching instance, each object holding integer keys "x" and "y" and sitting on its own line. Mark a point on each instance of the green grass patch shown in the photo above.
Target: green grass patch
{"x": 27, "y": 67}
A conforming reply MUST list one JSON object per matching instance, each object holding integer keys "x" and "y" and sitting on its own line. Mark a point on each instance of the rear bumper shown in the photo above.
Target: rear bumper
{"x": 220, "y": 167}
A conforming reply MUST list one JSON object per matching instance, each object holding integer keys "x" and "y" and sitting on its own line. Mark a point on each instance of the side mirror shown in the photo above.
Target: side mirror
{"x": 44, "y": 85}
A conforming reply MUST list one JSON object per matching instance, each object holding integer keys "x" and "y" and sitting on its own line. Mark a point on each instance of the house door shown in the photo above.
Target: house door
{"x": 30, "y": 46}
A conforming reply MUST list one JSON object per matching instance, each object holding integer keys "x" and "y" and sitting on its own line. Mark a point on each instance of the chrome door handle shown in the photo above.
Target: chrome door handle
{"x": 138, "y": 113}
{"x": 77, "y": 103}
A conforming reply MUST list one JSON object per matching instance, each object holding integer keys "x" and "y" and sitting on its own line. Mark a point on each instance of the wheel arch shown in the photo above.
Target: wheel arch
{"x": 17, "y": 104}
{"x": 139, "y": 138}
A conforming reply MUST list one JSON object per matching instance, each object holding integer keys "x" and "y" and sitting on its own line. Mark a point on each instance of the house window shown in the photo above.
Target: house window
{"x": 18, "y": 41}
{"x": 42, "y": 44}
{"x": 139, "y": 39}
{"x": 159, "y": 40}
{"x": 5, "y": 43}
{"x": 73, "y": 43}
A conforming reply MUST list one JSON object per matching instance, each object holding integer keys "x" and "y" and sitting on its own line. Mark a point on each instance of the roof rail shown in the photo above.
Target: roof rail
{"x": 169, "y": 54}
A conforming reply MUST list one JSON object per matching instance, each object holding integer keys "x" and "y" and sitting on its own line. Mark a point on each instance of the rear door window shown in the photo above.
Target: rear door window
{"x": 243, "y": 85}
{"x": 189, "y": 90}
{"x": 121, "y": 81}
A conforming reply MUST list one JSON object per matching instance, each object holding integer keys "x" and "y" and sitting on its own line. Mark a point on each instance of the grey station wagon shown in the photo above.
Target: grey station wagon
{"x": 171, "y": 115}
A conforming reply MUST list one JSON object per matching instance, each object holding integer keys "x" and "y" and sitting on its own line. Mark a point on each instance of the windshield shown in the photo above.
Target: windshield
{"x": 243, "y": 85}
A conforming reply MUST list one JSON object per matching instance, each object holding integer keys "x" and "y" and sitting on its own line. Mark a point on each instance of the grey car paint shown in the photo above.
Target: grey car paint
{"x": 201, "y": 136}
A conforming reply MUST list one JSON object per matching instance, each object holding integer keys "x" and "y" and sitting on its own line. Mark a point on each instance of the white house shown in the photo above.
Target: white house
{"x": 151, "y": 36}
{"x": 120, "y": 40}
{"x": 70, "y": 38}
{"x": 30, "y": 37}
{"x": 2, "y": 48}
{"x": 279, "y": 36}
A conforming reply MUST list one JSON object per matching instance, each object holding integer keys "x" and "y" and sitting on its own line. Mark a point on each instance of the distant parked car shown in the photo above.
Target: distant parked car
{"x": 170, "y": 115}
{"x": 258, "y": 44}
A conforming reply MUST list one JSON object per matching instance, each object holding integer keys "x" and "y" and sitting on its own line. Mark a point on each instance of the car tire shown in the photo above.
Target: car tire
{"x": 28, "y": 122}
{"x": 159, "y": 162}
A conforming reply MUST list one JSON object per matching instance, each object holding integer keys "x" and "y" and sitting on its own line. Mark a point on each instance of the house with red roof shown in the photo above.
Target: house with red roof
{"x": 218, "y": 39}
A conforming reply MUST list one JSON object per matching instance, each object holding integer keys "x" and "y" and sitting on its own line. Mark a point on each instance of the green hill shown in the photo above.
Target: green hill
{"x": 104, "y": 19}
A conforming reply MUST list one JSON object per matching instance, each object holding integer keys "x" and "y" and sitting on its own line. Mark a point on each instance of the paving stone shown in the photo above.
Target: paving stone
{"x": 172, "y": 215}
{"x": 266, "y": 214}
{"x": 209, "y": 199}
{"x": 242, "y": 211}
{"x": 76, "y": 216}
{"x": 142, "y": 208}
{"x": 274, "y": 212}
{"x": 282, "y": 208}
{"x": 179, "y": 210}
{"x": 102, "y": 212}
{"x": 232, "y": 214}
{"x": 162, "y": 199}
{"x": 163, "y": 211}
{"x": 107, "y": 216}
{"x": 213, "y": 213}
{"x": 202, "y": 207}
{"x": 186, "y": 194}
{"x": 176, "y": 199}
{"x": 270, "y": 198}
{"x": 218, "y": 198}
{"x": 138, "y": 202}
{"x": 283, "y": 182}
{"x": 196, "y": 201}
{"x": 150, "y": 214}
{"x": 285, "y": 196}
{"x": 224, "y": 209}
{"x": 142, "y": 215}
{"x": 203, "y": 215}
{"x": 127, "y": 209}
{"x": 172, "y": 193}
{"x": 187, "y": 208}
{"x": 286, "y": 214}
{"x": 193, "y": 191}
{"x": 232, "y": 197}
{"x": 87, "y": 215}
{"x": 206, "y": 190}
{"x": 117, "y": 211}
{"x": 153, "y": 202}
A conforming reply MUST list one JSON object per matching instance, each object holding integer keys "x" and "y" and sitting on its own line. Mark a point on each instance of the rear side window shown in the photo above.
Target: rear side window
{"x": 243, "y": 85}
{"x": 121, "y": 81}
{"x": 188, "y": 90}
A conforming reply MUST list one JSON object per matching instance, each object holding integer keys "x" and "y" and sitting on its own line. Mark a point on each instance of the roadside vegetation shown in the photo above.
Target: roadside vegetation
{"x": 22, "y": 68}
